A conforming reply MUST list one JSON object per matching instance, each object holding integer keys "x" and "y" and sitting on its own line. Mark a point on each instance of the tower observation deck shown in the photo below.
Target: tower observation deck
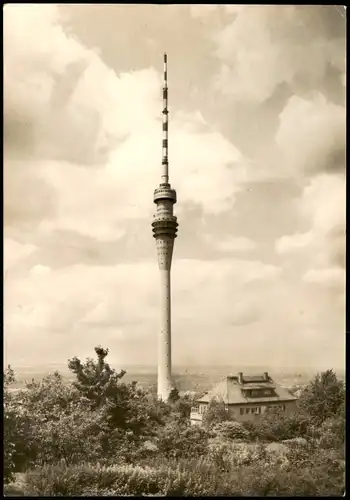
{"x": 164, "y": 227}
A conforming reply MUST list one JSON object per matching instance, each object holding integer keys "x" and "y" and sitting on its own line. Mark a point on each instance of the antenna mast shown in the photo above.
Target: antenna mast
{"x": 165, "y": 112}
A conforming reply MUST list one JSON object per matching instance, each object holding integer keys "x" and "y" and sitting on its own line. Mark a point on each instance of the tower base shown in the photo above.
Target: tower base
{"x": 164, "y": 340}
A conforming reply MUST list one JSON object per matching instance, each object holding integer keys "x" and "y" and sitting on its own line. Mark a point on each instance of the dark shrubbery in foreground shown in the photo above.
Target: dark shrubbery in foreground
{"x": 191, "y": 479}
{"x": 136, "y": 445}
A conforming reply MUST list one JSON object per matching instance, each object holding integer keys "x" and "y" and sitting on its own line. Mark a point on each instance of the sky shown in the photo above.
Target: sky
{"x": 257, "y": 157}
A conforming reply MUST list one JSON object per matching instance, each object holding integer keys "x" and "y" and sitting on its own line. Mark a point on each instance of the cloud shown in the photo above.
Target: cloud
{"x": 200, "y": 11}
{"x": 231, "y": 244}
{"x": 15, "y": 252}
{"x": 286, "y": 39}
{"x": 293, "y": 242}
{"x": 311, "y": 135}
{"x": 311, "y": 138}
{"x": 332, "y": 277}
{"x": 86, "y": 115}
{"x": 82, "y": 134}
{"x": 43, "y": 301}
{"x": 322, "y": 207}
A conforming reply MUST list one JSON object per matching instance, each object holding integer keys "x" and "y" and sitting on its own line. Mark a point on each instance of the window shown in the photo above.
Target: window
{"x": 254, "y": 410}
{"x": 195, "y": 409}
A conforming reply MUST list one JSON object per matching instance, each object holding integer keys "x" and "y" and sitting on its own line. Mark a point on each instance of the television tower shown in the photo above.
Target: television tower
{"x": 164, "y": 227}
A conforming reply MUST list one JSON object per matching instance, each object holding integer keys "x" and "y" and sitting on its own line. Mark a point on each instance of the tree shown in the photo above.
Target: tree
{"x": 18, "y": 439}
{"x": 323, "y": 397}
{"x": 181, "y": 410}
{"x": 61, "y": 425}
{"x": 276, "y": 425}
{"x": 124, "y": 406}
{"x": 96, "y": 380}
{"x": 215, "y": 413}
{"x": 177, "y": 440}
{"x": 174, "y": 395}
{"x": 231, "y": 430}
{"x": 9, "y": 427}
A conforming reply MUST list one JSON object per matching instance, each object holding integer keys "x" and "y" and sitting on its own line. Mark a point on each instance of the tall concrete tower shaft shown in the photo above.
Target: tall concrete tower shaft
{"x": 164, "y": 227}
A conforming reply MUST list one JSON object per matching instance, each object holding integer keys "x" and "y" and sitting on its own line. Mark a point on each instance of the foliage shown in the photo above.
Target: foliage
{"x": 215, "y": 413}
{"x": 231, "y": 430}
{"x": 63, "y": 426}
{"x": 176, "y": 440}
{"x": 53, "y": 428}
{"x": 9, "y": 427}
{"x": 180, "y": 410}
{"x": 226, "y": 454}
{"x": 46, "y": 400}
{"x": 331, "y": 434}
{"x": 188, "y": 478}
{"x": 96, "y": 380}
{"x": 123, "y": 406}
{"x": 275, "y": 425}
{"x": 18, "y": 436}
{"x": 174, "y": 395}
{"x": 323, "y": 397}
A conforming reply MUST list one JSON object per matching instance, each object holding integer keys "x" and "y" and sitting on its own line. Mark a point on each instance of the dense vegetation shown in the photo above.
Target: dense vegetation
{"x": 101, "y": 436}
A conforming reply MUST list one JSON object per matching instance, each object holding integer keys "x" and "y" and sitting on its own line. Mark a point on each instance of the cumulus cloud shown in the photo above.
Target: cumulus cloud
{"x": 14, "y": 252}
{"x": 311, "y": 135}
{"x": 87, "y": 115}
{"x": 285, "y": 40}
{"x": 119, "y": 298}
{"x": 231, "y": 243}
{"x": 82, "y": 134}
{"x": 332, "y": 277}
{"x": 296, "y": 241}
{"x": 322, "y": 206}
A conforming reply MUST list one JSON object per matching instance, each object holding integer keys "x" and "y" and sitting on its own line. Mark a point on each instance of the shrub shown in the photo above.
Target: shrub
{"x": 231, "y": 430}
{"x": 274, "y": 425}
{"x": 185, "y": 441}
{"x": 215, "y": 413}
{"x": 332, "y": 433}
{"x": 189, "y": 478}
{"x": 323, "y": 397}
{"x": 18, "y": 435}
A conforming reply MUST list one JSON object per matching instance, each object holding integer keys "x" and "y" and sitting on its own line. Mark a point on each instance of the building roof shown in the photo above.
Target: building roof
{"x": 232, "y": 390}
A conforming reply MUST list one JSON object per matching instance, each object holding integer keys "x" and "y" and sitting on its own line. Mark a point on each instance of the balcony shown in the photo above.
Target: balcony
{"x": 196, "y": 417}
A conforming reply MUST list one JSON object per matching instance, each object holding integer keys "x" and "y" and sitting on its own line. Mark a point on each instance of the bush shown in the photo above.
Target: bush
{"x": 82, "y": 480}
{"x": 118, "y": 425}
{"x": 323, "y": 397}
{"x": 332, "y": 433}
{"x": 175, "y": 440}
{"x": 274, "y": 425}
{"x": 188, "y": 478}
{"x": 215, "y": 413}
{"x": 231, "y": 430}
{"x": 18, "y": 434}
{"x": 227, "y": 454}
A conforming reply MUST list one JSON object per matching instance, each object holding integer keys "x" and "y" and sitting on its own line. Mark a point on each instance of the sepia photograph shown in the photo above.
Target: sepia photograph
{"x": 174, "y": 250}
